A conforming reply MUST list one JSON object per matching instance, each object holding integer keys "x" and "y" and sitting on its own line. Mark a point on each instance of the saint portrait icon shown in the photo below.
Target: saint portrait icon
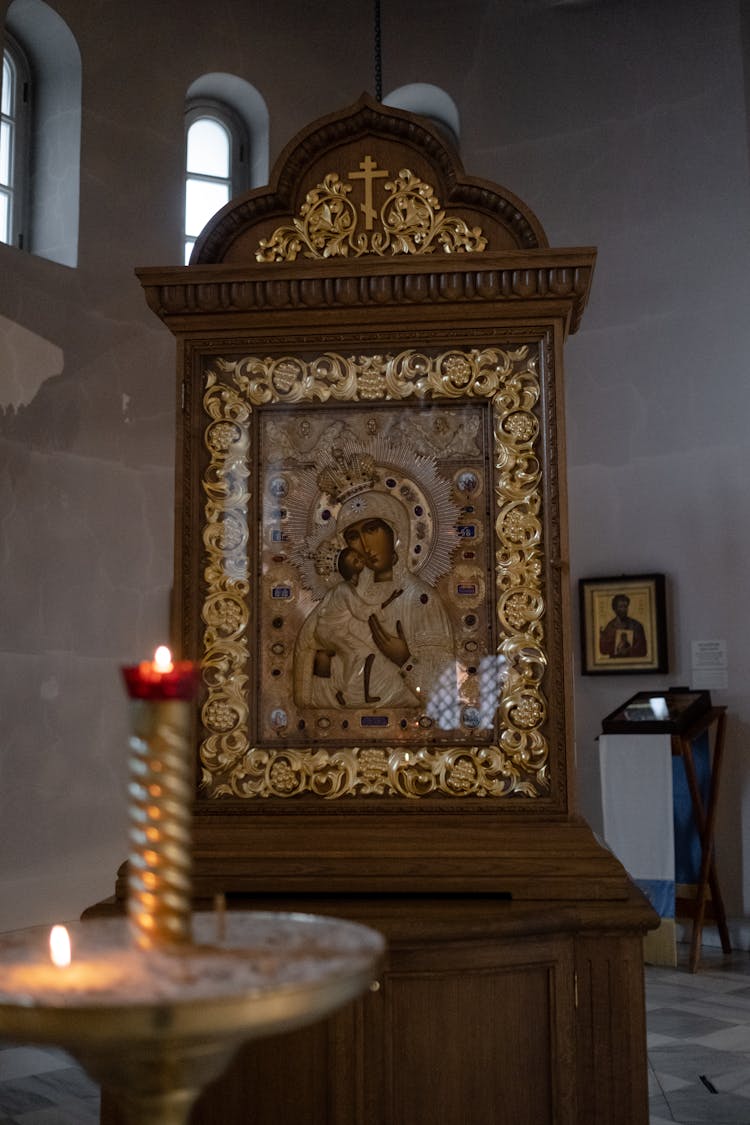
{"x": 623, "y": 624}
{"x": 623, "y": 636}
{"x": 381, "y": 635}
{"x": 374, "y": 575}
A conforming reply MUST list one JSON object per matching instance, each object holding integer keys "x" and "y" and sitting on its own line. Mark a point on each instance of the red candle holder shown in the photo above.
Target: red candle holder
{"x": 145, "y": 681}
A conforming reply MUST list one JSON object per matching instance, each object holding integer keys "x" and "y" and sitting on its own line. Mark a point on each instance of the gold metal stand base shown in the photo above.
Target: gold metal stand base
{"x": 156, "y": 1026}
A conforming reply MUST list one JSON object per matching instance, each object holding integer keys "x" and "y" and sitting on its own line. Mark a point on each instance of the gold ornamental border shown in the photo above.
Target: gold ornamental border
{"x": 517, "y": 761}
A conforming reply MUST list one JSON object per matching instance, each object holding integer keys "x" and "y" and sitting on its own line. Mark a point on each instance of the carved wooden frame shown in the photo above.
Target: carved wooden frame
{"x": 480, "y": 316}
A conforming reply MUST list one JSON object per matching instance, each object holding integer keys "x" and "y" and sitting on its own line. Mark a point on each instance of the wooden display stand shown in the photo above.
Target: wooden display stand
{"x": 375, "y": 306}
{"x": 703, "y": 907}
{"x": 644, "y": 805}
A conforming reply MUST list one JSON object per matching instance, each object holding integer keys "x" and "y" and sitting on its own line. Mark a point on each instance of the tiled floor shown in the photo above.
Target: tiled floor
{"x": 698, "y": 1043}
{"x": 41, "y": 1086}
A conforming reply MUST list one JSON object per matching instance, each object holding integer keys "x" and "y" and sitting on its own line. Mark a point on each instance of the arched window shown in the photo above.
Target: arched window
{"x": 216, "y": 163}
{"x": 14, "y": 144}
{"x": 430, "y": 102}
{"x": 47, "y": 145}
{"x": 226, "y": 148}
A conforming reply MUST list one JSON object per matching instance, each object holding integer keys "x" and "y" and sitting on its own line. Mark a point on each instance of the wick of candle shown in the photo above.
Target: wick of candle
{"x": 220, "y": 911}
{"x": 59, "y": 946}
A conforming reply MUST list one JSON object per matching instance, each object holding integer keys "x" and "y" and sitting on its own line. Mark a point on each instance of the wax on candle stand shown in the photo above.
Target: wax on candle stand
{"x": 258, "y": 951}
{"x": 91, "y": 976}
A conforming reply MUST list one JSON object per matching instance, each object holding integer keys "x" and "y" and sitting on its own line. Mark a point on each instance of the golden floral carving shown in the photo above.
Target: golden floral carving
{"x": 517, "y": 762}
{"x": 411, "y": 221}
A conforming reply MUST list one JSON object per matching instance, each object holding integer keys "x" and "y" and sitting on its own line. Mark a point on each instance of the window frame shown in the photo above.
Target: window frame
{"x": 18, "y": 188}
{"x": 199, "y": 109}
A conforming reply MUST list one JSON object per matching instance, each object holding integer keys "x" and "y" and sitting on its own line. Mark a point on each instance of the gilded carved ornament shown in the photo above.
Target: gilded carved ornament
{"x": 409, "y": 221}
{"x": 513, "y": 759}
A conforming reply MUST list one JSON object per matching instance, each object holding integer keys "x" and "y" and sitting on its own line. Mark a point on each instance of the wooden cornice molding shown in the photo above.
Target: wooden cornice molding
{"x": 557, "y": 281}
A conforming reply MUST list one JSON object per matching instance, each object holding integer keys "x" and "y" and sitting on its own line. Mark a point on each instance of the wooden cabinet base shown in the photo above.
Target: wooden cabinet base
{"x": 487, "y": 1012}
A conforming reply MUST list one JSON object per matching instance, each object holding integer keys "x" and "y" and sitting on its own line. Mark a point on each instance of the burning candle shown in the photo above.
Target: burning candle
{"x": 59, "y": 946}
{"x": 160, "y": 679}
{"x": 163, "y": 660}
{"x": 52, "y": 975}
{"x": 160, "y": 791}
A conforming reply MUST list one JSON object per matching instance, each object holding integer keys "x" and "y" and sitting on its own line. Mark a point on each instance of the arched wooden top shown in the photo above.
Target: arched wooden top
{"x": 368, "y": 181}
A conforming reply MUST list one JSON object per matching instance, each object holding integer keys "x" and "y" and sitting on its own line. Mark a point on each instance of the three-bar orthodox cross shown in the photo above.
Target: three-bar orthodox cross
{"x": 369, "y": 172}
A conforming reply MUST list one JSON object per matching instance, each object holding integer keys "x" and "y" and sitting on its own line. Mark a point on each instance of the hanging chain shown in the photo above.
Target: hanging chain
{"x": 378, "y": 55}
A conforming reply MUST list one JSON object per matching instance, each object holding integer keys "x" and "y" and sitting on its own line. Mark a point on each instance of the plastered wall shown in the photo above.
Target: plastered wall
{"x": 622, "y": 125}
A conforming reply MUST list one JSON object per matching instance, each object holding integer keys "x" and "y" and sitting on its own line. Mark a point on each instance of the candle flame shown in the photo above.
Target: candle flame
{"x": 59, "y": 946}
{"x": 163, "y": 659}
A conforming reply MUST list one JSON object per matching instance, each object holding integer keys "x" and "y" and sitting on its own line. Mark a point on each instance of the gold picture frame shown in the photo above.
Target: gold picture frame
{"x": 623, "y": 624}
{"x": 442, "y": 445}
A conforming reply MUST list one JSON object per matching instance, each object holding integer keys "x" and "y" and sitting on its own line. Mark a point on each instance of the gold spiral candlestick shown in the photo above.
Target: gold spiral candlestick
{"x": 160, "y": 792}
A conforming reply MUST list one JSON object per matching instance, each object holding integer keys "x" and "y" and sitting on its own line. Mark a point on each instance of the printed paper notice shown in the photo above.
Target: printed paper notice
{"x": 710, "y": 666}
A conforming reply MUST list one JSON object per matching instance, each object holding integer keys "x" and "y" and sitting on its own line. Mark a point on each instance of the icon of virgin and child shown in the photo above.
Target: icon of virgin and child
{"x": 380, "y": 636}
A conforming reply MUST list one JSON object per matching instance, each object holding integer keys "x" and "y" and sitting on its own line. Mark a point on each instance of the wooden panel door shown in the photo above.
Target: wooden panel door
{"x": 486, "y": 1046}
{"x": 479, "y": 1032}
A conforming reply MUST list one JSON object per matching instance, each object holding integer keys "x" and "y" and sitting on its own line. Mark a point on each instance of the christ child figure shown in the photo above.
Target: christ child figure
{"x": 343, "y": 631}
